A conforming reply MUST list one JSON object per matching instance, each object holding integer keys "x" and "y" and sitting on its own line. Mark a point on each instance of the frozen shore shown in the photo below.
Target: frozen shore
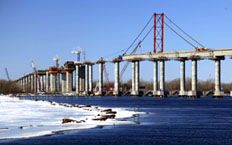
{"x": 31, "y": 118}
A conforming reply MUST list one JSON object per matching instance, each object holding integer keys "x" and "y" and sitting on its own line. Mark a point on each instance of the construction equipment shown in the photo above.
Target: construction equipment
{"x": 7, "y": 74}
{"x": 36, "y": 73}
{"x": 57, "y": 59}
{"x": 127, "y": 63}
{"x": 78, "y": 51}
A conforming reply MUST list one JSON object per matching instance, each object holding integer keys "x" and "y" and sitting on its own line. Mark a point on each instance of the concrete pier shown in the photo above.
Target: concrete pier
{"x": 77, "y": 78}
{"x": 182, "y": 77}
{"x": 58, "y": 82}
{"x": 35, "y": 84}
{"x": 193, "y": 93}
{"x": 86, "y": 79}
{"x": 116, "y": 76}
{"x": 68, "y": 82}
{"x": 155, "y": 77}
{"x": 91, "y": 78}
{"x": 32, "y": 82}
{"x": 161, "y": 92}
{"x": 100, "y": 63}
{"x": 135, "y": 77}
{"x": 63, "y": 82}
{"x": 47, "y": 82}
{"x": 218, "y": 92}
{"x": 53, "y": 83}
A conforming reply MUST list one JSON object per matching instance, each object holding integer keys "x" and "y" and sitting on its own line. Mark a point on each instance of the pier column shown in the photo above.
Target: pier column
{"x": 58, "y": 82}
{"x": 133, "y": 78}
{"x": 182, "y": 77}
{"x": 68, "y": 81}
{"x": 137, "y": 78}
{"x": 155, "y": 77}
{"x": 193, "y": 93}
{"x": 52, "y": 83}
{"x": 63, "y": 82}
{"x": 91, "y": 78}
{"x": 100, "y": 83}
{"x": 218, "y": 91}
{"x": 86, "y": 79}
{"x": 116, "y": 76}
{"x": 35, "y": 83}
{"x": 47, "y": 82}
{"x": 77, "y": 79}
{"x": 42, "y": 82}
{"x": 162, "y": 75}
{"x": 32, "y": 82}
{"x": 100, "y": 63}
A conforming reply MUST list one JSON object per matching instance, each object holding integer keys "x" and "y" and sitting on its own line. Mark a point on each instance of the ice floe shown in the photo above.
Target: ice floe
{"x": 31, "y": 118}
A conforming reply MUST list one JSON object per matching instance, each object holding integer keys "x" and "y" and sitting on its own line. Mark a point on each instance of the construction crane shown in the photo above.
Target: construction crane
{"x": 78, "y": 51}
{"x": 127, "y": 63}
{"x": 36, "y": 73}
{"x": 57, "y": 59}
{"x": 7, "y": 74}
{"x": 107, "y": 78}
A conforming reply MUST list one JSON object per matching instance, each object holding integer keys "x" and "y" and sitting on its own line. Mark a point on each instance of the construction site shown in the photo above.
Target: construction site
{"x": 76, "y": 77}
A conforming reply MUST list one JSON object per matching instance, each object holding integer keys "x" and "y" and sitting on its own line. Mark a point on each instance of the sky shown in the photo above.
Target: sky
{"x": 39, "y": 30}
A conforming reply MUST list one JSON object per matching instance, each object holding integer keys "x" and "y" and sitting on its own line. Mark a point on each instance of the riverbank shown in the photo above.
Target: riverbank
{"x": 32, "y": 118}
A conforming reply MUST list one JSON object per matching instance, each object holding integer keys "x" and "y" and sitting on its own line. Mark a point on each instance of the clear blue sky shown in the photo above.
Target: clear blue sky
{"x": 40, "y": 29}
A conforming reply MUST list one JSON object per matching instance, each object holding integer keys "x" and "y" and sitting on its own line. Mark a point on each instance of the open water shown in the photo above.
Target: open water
{"x": 167, "y": 121}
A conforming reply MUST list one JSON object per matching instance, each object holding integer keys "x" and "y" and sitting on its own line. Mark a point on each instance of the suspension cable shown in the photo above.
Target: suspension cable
{"x": 184, "y": 31}
{"x": 179, "y": 35}
{"x": 139, "y": 34}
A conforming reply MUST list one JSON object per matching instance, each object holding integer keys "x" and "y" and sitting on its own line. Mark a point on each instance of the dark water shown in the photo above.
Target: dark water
{"x": 168, "y": 121}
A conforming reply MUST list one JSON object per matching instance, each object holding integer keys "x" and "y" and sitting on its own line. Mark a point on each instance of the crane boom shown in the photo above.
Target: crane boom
{"x": 7, "y": 74}
{"x": 36, "y": 73}
{"x": 127, "y": 63}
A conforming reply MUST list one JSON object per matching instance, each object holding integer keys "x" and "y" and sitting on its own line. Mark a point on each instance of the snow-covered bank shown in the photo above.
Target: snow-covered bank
{"x": 29, "y": 118}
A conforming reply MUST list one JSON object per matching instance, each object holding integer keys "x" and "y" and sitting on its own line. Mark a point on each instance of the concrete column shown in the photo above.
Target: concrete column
{"x": 217, "y": 75}
{"x": 77, "y": 79}
{"x": 86, "y": 79}
{"x": 133, "y": 79}
{"x": 218, "y": 91}
{"x": 26, "y": 83}
{"x": 116, "y": 78}
{"x": 91, "y": 78}
{"x": 32, "y": 82}
{"x": 47, "y": 82}
{"x": 42, "y": 82}
{"x": 182, "y": 78}
{"x": 137, "y": 77}
{"x": 58, "y": 82}
{"x": 162, "y": 75}
{"x": 68, "y": 82}
{"x": 53, "y": 82}
{"x": 100, "y": 83}
{"x": 35, "y": 84}
{"x": 194, "y": 75}
{"x": 63, "y": 83}
{"x": 193, "y": 93}
{"x": 155, "y": 77}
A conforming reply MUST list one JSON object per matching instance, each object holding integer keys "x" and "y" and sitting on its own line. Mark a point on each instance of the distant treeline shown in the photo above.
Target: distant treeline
{"x": 8, "y": 87}
{"x": 174, "y": 85}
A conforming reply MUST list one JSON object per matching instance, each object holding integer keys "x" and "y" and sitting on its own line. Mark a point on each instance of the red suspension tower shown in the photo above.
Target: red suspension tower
{"x": 158, "y": 32}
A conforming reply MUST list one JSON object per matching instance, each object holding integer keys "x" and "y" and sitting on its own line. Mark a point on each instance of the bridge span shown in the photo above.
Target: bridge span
{"x": 50, "y": 78}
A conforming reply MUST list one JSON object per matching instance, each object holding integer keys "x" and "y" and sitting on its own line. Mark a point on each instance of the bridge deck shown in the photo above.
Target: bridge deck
{"x": 181, "y": 54}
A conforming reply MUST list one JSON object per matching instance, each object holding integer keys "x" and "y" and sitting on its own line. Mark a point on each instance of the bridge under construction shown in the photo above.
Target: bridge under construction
{"x": 60, "y": 79}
